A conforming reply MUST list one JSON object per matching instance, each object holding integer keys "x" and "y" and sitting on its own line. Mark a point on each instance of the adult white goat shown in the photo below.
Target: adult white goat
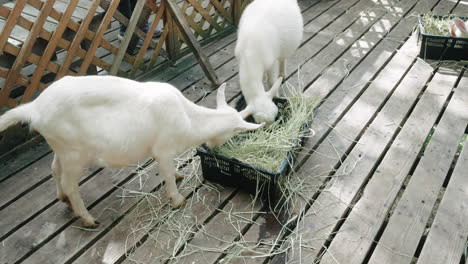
{"x": 269, "y": 32}
{"x": 113, "y": 122}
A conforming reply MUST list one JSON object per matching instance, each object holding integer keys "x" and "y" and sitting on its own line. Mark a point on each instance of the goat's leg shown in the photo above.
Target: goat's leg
{"x": 272, "y": 74}
{"x": 70, "y": 184}
{"x": 57, "y": 173}
{"x": 167, "y": 170}
{"x": 282, "y": 68}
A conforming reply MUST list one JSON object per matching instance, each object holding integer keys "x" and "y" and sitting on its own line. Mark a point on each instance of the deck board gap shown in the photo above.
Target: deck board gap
{"x": 356, "y": 98}
{"x": 348, "y": 151}
{"x": 408, "y": 177}
{"x": 25, "y": 191}
{"x": 440, "y": 196}
{"x": 13, "y": 173}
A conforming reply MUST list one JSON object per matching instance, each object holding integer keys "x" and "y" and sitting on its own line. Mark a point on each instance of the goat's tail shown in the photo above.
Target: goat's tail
{"x": 22, "y": 113}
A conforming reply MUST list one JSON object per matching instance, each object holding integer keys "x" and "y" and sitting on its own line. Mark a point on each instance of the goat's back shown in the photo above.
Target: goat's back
{"x": 270, "y": 29}
{"x": 107, "y": 115}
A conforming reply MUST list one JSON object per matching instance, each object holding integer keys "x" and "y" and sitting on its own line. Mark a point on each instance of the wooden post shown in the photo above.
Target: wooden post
{"x": 98, "y": 37}
{"x": 127, "y": 37}
{"x": 192, "y": 42}
{"x": 236, "y": 12}
{"x": 171, "y": 39}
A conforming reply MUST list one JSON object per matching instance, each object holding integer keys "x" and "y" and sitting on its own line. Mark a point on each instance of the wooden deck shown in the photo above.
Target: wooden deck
{"x": 383, "y": 180}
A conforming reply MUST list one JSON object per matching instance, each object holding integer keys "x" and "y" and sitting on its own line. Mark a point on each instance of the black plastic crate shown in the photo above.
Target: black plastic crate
{"x": 251, "y": 179}
{"x": 436, "y": 47}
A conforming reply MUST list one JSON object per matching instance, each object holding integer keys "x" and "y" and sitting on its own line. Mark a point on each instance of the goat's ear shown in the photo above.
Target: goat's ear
{"x": 275, "y": 88}
{"x": 460, "y": 24}
{"x": 246, "y": 112}
{"x": 452, "y": 29}
{"x": 220, "y": 97}
{"x": 246, "y": 126}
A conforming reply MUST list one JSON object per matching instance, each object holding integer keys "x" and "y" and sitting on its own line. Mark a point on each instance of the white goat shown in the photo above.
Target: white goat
{"x": 458, "y": 28}
{"x": 113, "y": 122}
{"x": 269, "y": 32}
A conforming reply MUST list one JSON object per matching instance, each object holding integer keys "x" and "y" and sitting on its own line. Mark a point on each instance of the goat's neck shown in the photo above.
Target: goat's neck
{"x": 208, "y": 123}
{"x": 251, "y": 85}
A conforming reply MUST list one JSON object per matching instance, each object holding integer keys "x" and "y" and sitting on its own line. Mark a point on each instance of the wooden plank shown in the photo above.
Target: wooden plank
{"x": 25, "y": 51}
{"x": 11, "y": 22}
{"x": 330, "y": 205}
{"x": 189, "y": 63}
{"x": 203, "y": 203}
{"x": 22, "y": 160}
{"x": 14, "y": 187}
{"x": 348, "y": 81}
{"x": 200, "y": 207}
{"x": 447, "y": 238}
{"x": 30, "y": 204}
{"x": 408, "y": 220}
{"x": 355, "y": 167}
{"x": 107, "y": 197}
{"x": 192, "y": 42}
{"x": 49, "y": 51}
{"x": 109, "y": 247}
{"x": 224, "y": 227}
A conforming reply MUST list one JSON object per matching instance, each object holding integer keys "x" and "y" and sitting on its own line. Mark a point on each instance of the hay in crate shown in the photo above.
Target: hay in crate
{"x": 267, "y": 148}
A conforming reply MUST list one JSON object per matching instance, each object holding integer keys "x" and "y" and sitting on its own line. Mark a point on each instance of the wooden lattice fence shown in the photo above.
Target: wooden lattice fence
{"x": 42, "y": 41}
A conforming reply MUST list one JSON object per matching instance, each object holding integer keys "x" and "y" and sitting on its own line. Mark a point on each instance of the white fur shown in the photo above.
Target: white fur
{"x": 269, "y": 32}
{"x": 459, "y": 28}
{"x": 114, "y": 122}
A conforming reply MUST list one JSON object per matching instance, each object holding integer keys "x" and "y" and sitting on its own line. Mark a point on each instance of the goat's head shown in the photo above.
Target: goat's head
{"x": 262, "y": 107}
{"x": 232, "y": 122}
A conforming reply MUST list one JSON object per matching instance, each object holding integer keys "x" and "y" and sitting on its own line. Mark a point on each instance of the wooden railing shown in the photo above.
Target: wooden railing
{"x": 42, "y": 41}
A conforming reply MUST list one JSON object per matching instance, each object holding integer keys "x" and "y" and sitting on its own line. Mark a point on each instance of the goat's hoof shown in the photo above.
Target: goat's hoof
{"x": 179, "y": 176}
{"x": 90, "y": 224}
{"x": 177, "y": 200}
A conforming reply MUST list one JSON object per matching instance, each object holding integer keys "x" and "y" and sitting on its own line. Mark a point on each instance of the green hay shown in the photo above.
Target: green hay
{"x": 436, "y": 26}
{"x": 267, "y": 147}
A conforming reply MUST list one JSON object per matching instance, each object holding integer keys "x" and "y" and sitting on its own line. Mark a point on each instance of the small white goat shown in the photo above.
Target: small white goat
{"x": 459, "y": 28}
{"x": 114, "y": 122}
{"x": 269, "y": 32}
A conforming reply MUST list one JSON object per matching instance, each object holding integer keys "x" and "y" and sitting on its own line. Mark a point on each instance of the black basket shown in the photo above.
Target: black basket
{"x": 442, "y": 47}
{"x": 232, "y": 172}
